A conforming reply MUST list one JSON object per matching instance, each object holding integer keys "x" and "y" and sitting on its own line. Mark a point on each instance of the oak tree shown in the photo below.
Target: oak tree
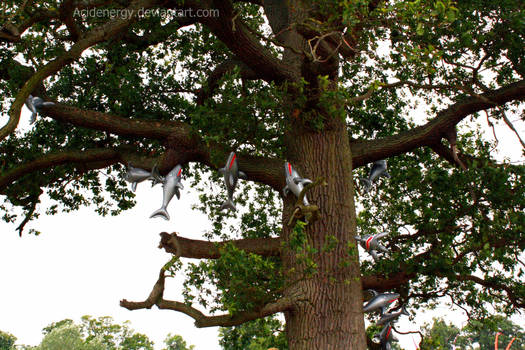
{"x": 329, "y": 86}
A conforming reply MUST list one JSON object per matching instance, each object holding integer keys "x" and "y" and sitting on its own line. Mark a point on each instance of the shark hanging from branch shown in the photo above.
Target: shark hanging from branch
{"x": 385, "y": 337}
{"x": 137, "y": 175}
{"x": 34, "y": 104}
{"x": 231, "y": 175}
{"x": 171, "y": 185}
{"x": 390, "y": 316}
{"x": 380, "y": 301}
{"x": 378, "y": 169}
{"x": 294, "y": 183}
{"x": 371, "y": 244}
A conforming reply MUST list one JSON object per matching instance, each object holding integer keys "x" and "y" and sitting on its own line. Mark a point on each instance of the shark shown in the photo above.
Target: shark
{"x": 34, "y": 104}
{"x": 385, "y": 337}
{"x": 137, "y": 175}
{"x": 231, "y": 175}
{"x": 378, "y": 169}
{"x": 380, "y": 301}
{"x": 388, "y": 317}
{"x": 171, "y": 185}
{"x": 371, "y": 243}
{"x": 294, "y": 182}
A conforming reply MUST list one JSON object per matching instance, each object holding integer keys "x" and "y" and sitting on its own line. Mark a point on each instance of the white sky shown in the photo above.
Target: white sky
{"x": 83, "y": 264}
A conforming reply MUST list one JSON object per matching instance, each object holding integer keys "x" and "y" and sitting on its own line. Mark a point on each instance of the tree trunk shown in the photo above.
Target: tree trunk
{"x": 328, "y": 314}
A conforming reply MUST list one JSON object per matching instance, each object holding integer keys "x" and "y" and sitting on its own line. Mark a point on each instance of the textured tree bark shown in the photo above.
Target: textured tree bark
{"x": 328, "y": 315}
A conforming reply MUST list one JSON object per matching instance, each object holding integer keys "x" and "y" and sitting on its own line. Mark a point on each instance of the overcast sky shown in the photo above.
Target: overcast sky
{"x": 83, "y": 264}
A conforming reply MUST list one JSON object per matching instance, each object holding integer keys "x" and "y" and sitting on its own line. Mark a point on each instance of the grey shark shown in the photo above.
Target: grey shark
{"x": 371, "y": 243}
{"x": 385, "y": 337}
{"x": 388, "y": 317}
{"x": 378, "y": 169}
{"x": 137, "y": 175}
{"x": 380, "y": 301}
{"x": 231, "y": 175}
{"x": 34, "y": 104}
{"x": 294, "y": 183}
{"x": 171, "y": 186}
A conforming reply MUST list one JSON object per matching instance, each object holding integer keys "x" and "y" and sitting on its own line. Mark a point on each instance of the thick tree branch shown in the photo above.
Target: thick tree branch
{"x": 364, "y": 152}
{"x": 517, "y": 301}
{"x": 182, "y": 144}
{"x": 198, "y": 249}
{"x": 161, "y": 130}
{"x": 239, "y": 39}
{"x": 94, "y": 36}
{"x": 59, "y": 158}
{"x": 201, "y": 320}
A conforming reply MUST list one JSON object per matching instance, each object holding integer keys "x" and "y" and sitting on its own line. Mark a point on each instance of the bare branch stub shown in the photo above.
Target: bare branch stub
{"x": 309, "y": 213}
{"x": 199, "y": 249}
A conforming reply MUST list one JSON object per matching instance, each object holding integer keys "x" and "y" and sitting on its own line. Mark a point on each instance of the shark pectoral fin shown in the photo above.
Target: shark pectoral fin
{"x": 373, "y": 292}
{"x": 134, "y": 186}
{"x": 231, "y": 180}
{"x": 382, "y": 248}
{"x": 180, "y": 185}
{"x": 383, "y": 310}
{"x": 387, "y": 175}
{"x": 286, "y": 190}
{"x": 156, "y": 178}
{"x": 48, "y": 104}
{"x": 242, "y": 175}
{"x": 177, "y": 193}
{"x": 222, "y": 170}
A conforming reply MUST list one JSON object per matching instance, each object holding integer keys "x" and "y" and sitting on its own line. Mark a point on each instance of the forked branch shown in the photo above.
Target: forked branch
{"x": 364, "y": 152}
{"x": 201, "y": 320}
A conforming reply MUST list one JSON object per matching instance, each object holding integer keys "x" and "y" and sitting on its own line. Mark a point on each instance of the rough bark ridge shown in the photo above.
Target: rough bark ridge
{"x": 329, "y": 315}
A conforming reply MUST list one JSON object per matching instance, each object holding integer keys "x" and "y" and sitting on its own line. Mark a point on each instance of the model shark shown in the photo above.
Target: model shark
{"x": 171, "y": 185}
{"x": 385, "y": 337}
{"x": 380, "y": 301}
{"x": 388, "y": 317}
{"x": 378, "y": 169}
{"x": 137, "y": 175}
{"x": 34, "y": 104}
{"x": 371, "y": 243}
{"x": 294, "y": 183}
{"x": 231, "y": 175}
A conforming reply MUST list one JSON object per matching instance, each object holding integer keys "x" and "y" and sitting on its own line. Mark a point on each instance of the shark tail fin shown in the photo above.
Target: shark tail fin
{"x": 228, "y": 204}
{"x": 404, "y": 311}
{"x": 373, "y": 292}
{"x": 32, "y": 119}
{"x": 161, "y": 213}
{"x": 367, "y": 185}
{"x": 156, "y": 178}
